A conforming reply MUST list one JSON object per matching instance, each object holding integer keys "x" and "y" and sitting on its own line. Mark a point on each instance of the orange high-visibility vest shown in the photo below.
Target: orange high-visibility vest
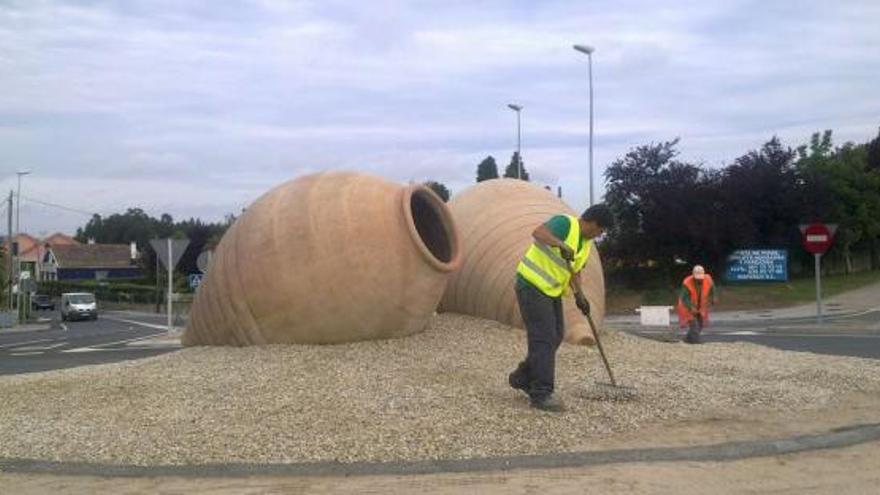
{"x": 701, "y": 301}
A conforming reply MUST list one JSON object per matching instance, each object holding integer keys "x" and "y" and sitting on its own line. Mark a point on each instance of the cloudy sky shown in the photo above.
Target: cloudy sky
{"x": 196, "y": 108}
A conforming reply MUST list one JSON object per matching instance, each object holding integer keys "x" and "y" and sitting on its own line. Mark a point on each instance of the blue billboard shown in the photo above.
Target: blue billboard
{"x": 757, "y": 264}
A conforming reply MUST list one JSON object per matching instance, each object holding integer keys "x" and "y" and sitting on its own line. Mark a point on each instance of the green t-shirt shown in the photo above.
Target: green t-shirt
{"x": 559, "y": 226}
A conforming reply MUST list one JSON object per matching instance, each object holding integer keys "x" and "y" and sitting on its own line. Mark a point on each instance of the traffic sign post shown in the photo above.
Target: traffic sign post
{"x": 169, "y": 252}
{"x": 817, "y": 239}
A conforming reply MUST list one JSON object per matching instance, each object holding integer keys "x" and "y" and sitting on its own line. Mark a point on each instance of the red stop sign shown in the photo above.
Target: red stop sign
{"x": 817, "y": 238}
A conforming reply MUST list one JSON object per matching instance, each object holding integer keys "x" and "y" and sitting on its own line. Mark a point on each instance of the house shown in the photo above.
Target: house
{"x": 91, "y": 262}
{"x": 58, "y": 239}
{"x": 32, "y": 251}
{"x": 29, "y": 252}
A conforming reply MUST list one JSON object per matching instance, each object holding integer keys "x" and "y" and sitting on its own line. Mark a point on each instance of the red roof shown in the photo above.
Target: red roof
{"x": 58, "y": 239}
{"x": 93, "y": 256}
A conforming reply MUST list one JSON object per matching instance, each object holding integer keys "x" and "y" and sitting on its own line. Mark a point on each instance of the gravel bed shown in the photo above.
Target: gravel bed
{"x": 439, "y": 394}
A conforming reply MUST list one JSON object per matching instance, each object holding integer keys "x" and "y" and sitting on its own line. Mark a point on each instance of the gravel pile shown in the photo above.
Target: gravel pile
{"x": 440, "y": 394}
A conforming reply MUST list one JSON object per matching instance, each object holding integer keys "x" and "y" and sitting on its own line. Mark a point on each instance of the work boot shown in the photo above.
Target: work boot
{"x": 517, "y": 383}
{"x": 549, "y": 404}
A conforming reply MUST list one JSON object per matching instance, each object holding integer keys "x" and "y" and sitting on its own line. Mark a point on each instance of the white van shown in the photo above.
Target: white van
{"x": 78, "y": 305}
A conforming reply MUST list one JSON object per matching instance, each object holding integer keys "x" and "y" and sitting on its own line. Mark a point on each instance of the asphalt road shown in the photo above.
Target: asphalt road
{"x": 114, "y": 336}
{"x": 121, "y": 336}
{"x": 844, "y": 335}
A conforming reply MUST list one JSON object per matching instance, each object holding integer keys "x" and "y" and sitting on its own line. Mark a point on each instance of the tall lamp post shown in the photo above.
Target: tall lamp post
{"x": 518, "y": 108}
{"x": 588, "y": 50}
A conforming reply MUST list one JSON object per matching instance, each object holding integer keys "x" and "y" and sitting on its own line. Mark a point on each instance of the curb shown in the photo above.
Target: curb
{"x": 836, "y": 438}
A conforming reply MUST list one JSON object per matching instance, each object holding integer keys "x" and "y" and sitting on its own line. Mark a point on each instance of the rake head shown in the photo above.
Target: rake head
{"x": 610, "y": 392}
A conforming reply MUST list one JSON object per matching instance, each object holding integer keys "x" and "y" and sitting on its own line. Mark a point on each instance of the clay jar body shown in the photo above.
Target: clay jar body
{"x": 327, "y": 258}
{"x": 496, "y": 219}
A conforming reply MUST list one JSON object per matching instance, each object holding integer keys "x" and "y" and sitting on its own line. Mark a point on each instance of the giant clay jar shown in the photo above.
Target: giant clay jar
{"x": 328, "y": 258}
{"x": 495, "y": 219}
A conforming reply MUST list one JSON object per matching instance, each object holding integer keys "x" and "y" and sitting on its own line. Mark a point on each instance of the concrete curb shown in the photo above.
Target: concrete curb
{"x": 836, "y": 438}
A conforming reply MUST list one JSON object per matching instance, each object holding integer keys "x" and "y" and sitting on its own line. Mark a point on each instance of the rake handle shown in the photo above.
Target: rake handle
{"x": 595, "y": 332}
{"x": 601, "y": 349}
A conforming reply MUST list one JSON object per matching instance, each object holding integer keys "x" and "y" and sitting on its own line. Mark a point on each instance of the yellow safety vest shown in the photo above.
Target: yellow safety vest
{"x": 544, "y": 267}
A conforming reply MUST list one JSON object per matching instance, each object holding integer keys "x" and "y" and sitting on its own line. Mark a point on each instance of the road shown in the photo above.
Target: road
{"x": 122, "y": 336}
{"x": 856, "y": 334}
{"x": 115, "y": 336}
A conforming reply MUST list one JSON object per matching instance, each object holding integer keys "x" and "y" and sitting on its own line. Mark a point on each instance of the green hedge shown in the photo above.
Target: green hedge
{"x": 103, "y": 290}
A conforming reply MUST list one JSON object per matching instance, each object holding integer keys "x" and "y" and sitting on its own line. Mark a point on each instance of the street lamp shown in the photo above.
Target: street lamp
{"x": 518, "y": 108}
{"x": 588, "y": 50}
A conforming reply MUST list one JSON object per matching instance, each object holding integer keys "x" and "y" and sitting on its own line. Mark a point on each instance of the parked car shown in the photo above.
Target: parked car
{"x": 78, "y": 306}
{"x": 42, "y": 301}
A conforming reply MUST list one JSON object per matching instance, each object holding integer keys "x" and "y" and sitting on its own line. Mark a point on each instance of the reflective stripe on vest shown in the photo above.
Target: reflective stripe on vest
{"x": 544, "y": 267}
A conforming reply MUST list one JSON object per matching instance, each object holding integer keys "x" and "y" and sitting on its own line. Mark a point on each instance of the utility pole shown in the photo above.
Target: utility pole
{"x": 17, "y": 263}
{"x": 9, "y": 254}
{"x": 158, "y": 291}
{"x": 170, "y": 281}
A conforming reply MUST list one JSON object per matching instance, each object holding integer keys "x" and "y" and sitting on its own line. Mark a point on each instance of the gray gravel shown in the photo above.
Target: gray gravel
{"x": 439, "y": 394}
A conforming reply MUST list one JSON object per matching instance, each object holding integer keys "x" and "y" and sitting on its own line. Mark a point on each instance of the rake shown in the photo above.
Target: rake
{"x": 603, "y": 390}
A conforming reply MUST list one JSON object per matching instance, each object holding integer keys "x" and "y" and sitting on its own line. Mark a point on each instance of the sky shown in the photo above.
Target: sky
{"x": 196, "y": 108}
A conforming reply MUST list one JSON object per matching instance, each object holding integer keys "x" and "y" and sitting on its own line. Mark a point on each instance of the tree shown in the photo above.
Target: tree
{"x": 136, "y": 225}
{"x": 487, "y": 169}
{"x": 761, "y": 203}
{"x": 874, "y": 153}
{"x": 851, "y": 190}
{"x": 439, "y": 188}
{"x": 666, "y": 210}
{"x": 513, "y": 169}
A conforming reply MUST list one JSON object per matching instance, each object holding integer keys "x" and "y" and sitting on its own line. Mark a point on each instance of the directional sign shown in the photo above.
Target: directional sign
{"x": 178, "y": 246}
{"x": 195, "y": 280}
{"x": 204, "y": 260}
{"x": 817, "y": 237}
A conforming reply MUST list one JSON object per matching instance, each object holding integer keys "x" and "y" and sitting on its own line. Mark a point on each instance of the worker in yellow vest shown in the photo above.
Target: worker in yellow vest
{"x": 561, "y": 245}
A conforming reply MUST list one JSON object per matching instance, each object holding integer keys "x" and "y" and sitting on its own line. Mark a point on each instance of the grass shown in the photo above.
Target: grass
{"x": 751, "y": 295}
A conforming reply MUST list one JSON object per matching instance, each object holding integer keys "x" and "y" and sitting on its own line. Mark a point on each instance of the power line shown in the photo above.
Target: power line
{"x": 60, "y": 207}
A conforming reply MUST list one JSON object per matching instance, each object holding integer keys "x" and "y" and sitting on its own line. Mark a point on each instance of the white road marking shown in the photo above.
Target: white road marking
{"x": 82, "y": 349}
{"x": 37, "y": 348}
{"x": 107, "y": 345}
{"x": 118, "y": 349}
{"x": 25, "y": 353}
{"x": 141, "y": 323}
{"x": 18, "y": 344}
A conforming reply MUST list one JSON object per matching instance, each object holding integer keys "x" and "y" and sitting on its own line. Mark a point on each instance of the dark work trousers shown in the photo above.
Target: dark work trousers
{"x": 694, "y": 330}
{"x": 542, "y": 316}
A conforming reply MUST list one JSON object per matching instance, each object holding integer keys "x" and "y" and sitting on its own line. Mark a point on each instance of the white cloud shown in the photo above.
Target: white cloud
{"x": 169, "y": 104}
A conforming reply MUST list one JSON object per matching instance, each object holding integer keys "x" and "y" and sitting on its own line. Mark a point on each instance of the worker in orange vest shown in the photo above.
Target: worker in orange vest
{"x": 697, "y": 294}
